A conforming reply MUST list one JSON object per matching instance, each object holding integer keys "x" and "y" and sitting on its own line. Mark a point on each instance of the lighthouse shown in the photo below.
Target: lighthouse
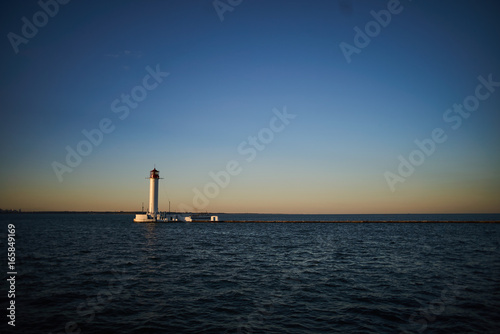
{"x": 154, "y": 215}
{"x": 154, "y": 177}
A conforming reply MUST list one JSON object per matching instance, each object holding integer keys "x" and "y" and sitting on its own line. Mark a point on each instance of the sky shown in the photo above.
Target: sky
{"x": 268, "y": 106}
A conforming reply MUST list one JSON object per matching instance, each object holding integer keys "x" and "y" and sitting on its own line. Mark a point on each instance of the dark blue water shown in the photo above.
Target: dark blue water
{"x": 106, "y": 274}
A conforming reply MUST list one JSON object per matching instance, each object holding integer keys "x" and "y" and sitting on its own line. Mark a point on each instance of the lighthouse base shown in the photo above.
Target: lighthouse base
{"x": 161, "y": 217}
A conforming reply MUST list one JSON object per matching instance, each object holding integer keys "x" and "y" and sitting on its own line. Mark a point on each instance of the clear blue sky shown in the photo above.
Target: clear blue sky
{"x": 353, "y": 119}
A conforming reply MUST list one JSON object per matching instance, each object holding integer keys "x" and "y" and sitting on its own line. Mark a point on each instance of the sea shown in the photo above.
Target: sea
{"x": 102, "y": 273}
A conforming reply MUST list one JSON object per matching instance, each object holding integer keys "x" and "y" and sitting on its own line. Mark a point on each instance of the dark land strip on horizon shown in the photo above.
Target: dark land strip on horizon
{"x": 9, "y": 212}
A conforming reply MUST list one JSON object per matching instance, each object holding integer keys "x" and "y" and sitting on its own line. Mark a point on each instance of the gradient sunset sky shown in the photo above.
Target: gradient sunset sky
{"x": 227, "y": 80}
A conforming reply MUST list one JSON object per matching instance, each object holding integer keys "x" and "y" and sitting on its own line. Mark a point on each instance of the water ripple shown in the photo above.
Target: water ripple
{"x": 105, "y": 274}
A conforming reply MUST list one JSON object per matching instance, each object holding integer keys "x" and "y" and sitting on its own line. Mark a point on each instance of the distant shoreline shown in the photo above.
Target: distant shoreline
{"x": 73, "y": 212}
{"x": 357, "y": 221}
{"x": 246, "y": 213}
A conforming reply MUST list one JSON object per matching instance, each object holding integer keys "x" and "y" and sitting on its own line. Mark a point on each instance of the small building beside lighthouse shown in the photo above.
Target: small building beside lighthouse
{"x": 154, "y": 214}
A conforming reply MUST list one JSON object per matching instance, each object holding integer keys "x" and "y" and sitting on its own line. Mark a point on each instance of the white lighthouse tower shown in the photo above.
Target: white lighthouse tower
{"x": 154, "y": 215}
{"x": 154, "y": 177}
